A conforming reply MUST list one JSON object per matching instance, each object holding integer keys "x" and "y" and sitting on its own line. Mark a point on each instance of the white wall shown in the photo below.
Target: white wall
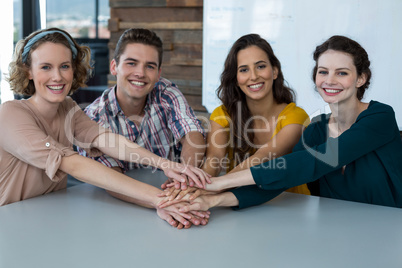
{"x": 294, "y": 28}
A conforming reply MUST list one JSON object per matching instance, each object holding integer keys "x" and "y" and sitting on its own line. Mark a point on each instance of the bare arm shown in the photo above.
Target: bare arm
{"x": 219, "y": 184}
{"x": 217, "y": 143}
{"x": 121, "y": 148}
{"x": 205, "y": 202}
{"x": 231, "y": 180}
{"x": 280, "y": 145}
{"x": 193, "y": 148}
{"x": 192, "y": 153}
{"x": 92, "y": 172}
{"x": 121, "y": 196}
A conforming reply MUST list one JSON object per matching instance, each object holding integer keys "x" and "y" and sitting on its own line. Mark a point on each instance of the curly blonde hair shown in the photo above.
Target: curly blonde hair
{"x": 19, "y": 71}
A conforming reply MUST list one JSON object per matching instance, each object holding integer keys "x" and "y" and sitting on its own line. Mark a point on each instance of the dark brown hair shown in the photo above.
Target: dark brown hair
{"x": 230, "y": 93}
{"x": 354, "y": 49}
{"x": 141, "y": 36}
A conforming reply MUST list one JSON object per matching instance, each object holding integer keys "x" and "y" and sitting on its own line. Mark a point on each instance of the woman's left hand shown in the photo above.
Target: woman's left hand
{"x": 202, "y": 203}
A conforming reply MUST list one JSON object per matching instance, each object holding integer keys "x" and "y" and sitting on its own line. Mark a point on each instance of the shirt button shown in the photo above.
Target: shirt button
{"x": 132, "y": 126}
{"x": 47, "y": 144}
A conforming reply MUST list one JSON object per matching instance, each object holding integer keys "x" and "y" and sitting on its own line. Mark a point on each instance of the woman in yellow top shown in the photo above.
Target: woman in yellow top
{"x": 258, "y": 120}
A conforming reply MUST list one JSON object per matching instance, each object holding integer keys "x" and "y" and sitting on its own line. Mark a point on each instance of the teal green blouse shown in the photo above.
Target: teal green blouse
{"x": 370, "y": 151}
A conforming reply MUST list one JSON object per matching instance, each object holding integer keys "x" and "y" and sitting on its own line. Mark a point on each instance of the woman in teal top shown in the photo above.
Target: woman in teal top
{"x": 354, "y": 153}
{"x": 362, "y": 164}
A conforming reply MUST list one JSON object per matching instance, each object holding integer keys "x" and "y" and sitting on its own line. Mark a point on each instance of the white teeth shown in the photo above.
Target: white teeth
{"x": 332, "y": 90}
{"x": 55, "y": 87}
{"x": 136, "y": 83}
{"x": 255, "y": 86}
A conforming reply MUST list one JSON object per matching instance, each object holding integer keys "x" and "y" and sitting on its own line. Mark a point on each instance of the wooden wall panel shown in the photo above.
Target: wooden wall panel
{"x": 179, "y": 24}
{"x": 184, "y": 3}
{"x": 157, "y": 14}
{"x": 136, "y": 3}
{"x": 155, "y": 3}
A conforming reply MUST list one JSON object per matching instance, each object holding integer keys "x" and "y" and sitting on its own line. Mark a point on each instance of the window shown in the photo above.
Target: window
{"x": 87, "y": 22}
{"x": 82, "y": 19}
{"x": 17, "y": 10}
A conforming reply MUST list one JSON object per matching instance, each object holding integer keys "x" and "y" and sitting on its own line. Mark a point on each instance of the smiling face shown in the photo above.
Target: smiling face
{"x": 136, "y": 73}
{"x": 52, "y": 72}
{"x": 255, "y": 74}
{"x": 336, "y": 78}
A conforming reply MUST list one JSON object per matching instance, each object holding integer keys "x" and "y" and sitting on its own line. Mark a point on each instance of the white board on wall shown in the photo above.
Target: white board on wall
{"x": 294, "y": 28}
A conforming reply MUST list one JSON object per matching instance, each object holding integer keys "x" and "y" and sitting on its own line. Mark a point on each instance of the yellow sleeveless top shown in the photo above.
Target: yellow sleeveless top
{"x": 291, "y": 114}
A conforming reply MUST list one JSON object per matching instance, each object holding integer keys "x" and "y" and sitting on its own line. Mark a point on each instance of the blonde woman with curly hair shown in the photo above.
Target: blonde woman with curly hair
{"x": 38, "y": 133}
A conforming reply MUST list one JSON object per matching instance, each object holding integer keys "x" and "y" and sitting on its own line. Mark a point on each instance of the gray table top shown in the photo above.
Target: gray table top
{"x": 83, "y": 226}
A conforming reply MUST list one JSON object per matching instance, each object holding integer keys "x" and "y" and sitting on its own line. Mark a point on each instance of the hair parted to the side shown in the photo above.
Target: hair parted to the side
{"x": 18, "y": 71}
{"x": 355, "y": 50}
{"x": 141, "y": 36}
{"x": 230, "y": 93}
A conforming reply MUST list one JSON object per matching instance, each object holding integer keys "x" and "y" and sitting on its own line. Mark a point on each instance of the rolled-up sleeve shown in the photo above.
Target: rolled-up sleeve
{"x": 84, "y": 131}
{"x": 22, "y": 137}
{"x": 54, "y": 155}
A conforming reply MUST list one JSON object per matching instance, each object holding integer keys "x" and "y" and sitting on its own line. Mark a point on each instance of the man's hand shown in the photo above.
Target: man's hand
{"x": 186, "y": 174}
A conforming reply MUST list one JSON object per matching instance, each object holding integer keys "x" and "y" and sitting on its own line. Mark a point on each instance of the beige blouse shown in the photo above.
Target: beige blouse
{"x": 31, "y": 153}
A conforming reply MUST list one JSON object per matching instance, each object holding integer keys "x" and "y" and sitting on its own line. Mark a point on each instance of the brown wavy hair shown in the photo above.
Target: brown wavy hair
{"x": 355, "y": 50}
{"x": 18, "y": 71}
{"x": 230, "y": 93}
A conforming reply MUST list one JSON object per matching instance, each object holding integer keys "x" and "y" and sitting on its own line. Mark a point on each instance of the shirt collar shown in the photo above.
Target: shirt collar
{"x": 149, "y": 100}
{"x": 114, "y": 106}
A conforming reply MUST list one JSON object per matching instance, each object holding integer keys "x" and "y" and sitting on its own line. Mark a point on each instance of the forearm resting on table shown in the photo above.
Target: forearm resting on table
{"x": 121, "y": 196}
{"x": 205, "y": 202}
{"x": 92, "y": 172}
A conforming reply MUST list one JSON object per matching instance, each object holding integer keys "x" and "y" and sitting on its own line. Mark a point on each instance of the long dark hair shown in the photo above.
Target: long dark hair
{"x": 231, "y": 95}
{"x": 354, "y": 49}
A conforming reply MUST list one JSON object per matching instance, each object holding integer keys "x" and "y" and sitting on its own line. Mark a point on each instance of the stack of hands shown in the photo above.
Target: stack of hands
{"x": 184, "y": 201}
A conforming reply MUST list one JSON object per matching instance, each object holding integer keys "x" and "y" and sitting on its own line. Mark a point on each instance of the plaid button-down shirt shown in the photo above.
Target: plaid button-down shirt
{"x": 167, "y": 119}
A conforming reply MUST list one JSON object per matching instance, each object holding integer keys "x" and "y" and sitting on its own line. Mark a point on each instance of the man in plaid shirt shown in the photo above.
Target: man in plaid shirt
{"x": 144, "y": 107}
